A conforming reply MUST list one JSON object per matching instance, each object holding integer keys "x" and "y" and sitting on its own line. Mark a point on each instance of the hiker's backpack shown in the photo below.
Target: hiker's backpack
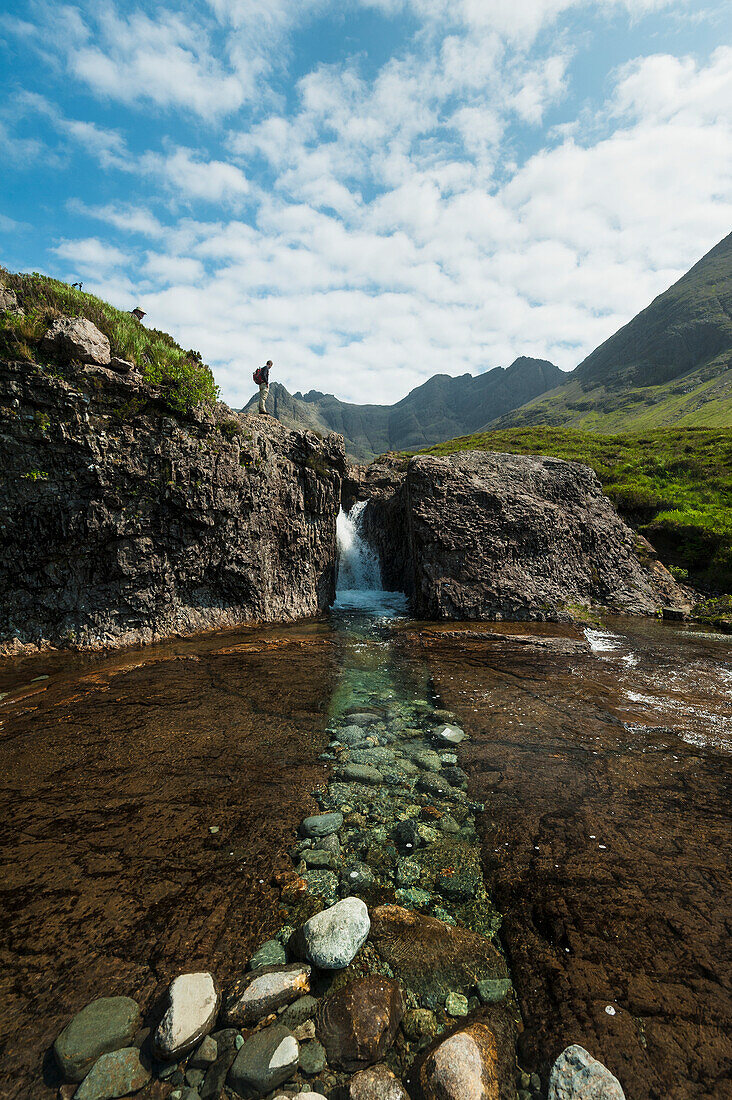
{"x": 257, "y": 376}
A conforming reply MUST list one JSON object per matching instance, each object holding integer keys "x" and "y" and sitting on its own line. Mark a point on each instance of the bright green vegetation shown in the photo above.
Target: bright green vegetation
{"x": 183, "y": 377}
{"x": 673, "y": 486}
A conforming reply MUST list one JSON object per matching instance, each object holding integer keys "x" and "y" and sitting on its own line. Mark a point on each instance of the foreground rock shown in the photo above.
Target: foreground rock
{"x": 333, "y": 937}
{"x": 376, "y": 1083}
{"x": 106, "y": 1024}
{"x": 125, "y": 521}
{"x": 78, "y": 338}
{"x": 193, "y": 1003}
{"x": 478, "y": 535}
{"x": 264, "y": 991}
{"x": 267, "y": 1059}
{"x": 115, "y": 1074}
{"x": 576, "y": 1075}
{"x": 463, "y": 1067}
{"x": 358, "y": 1023}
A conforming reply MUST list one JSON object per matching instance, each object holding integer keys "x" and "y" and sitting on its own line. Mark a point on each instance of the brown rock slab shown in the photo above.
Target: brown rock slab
{"x": 431, "y": 957}
{"x": 376, "y": 1083}
{"x": 264, "y": 991}
{"x": 463, "y": 1067}
{"x": 358, "y": 1023}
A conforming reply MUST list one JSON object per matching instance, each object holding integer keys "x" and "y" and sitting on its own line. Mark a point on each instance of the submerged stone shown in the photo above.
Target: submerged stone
{"x": 333, "y": 937}
{"x": 576, "y": 1075}
{"x": 304, "y": 1008}
{"x": 449, "y": 735}
{"x": 264, "y": 991}
{"x": 320, "y": 825}
{"x": 312, "y": 1058}
{"x": 376, "y": 1083}
{"x": 456, "y": 1004}
{"x": 463, "y": 1067}
{"x": 115, "y": 1074}
{"x": 358, "y": 1023}
{"x": 360, "y": 773}
{"x": 271, "y": 953}
{"x": 106, "y": 1024}
{"x": 493, "y": 990}
{"x": 324, "y": 884}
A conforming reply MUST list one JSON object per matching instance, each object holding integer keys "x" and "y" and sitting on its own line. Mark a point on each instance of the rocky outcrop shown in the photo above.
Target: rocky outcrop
{"x": 123, "y": 522}
{"x": 479, "y": 535}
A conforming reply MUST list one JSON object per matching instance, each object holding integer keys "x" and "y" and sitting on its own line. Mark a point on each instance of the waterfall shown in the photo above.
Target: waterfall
{"x": 358, "y": 563}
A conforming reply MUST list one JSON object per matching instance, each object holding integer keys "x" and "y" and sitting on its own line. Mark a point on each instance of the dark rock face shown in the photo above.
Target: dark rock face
{"x": 122, "y": 522}
{"x": 479, "y": 535}
{"x": 358, "y": 1023}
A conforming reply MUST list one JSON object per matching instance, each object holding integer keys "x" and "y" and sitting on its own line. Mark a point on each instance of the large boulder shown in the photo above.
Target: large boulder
{"x": 358, "y": 1023}
{"x": 576, "y": 1075}
{"x": 106, "y": 1024}
{"x": 502, "y": 536}
{"x": 78, "y": 338}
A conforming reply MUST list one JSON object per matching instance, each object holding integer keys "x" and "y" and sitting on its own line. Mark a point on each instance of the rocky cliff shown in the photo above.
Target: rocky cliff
{"x": 479, "y": 535}
{"x": 122, "y": 521}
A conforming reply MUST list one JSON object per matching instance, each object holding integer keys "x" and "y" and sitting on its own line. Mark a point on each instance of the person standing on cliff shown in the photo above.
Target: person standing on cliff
{"x": 261, "y": 376}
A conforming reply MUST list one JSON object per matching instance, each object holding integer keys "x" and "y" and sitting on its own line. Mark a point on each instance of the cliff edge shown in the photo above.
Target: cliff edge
{"x": 123, "y": 520}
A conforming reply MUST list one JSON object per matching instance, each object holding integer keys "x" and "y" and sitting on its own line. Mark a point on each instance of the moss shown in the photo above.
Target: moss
{"x": 183, "y": 377}
{"x": 229, "y": 428}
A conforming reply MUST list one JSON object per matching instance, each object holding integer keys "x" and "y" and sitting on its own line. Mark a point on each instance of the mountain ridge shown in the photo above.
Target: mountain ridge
{"x": 443, "y": 406}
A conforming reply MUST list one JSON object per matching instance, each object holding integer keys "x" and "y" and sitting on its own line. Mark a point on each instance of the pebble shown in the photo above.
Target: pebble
{"x": 264, "y": 991}
{"x": 194, "y": 1077}
{"x": 266, "y": 1059}
{"x": 358, "y": 1022}
{"x": 576, "y": 1075}
{"x": 449, "y": 735}
{"x": 329, "y": 843}
{"x": 333, "y": 937}
{"x": 106, "y": 1024}
{"x": 462, "y": 1067}
{"x": 407, "y": 871}
{"x": 117, "y": 1073}
{"x": 323, "y": 884}
{"x": 319, "y": 860}
{"x": 456, "y": 1004}
{"x": 356, "y": 876}
{"x": 301, "y": 1096}
{"x": 419, "y": 1023}
{"x": 304, "y": 1031}
{"x": 304, "y": 1008}
{"x": 312, "y": 1058}
{"x": 193, "y": 1003}
{"x": 351, "y": 735}
{"x": 320, "y": 825}
{"x": 493, "y": 990}
{"x": 271, "y": 953}
{"x": 204, "y": 1055}
{"x": 216, "y": 1075}
{"x": 360, "y": 773}
{"x": 376, "y": 1083}
{"x": 407, "y": 837}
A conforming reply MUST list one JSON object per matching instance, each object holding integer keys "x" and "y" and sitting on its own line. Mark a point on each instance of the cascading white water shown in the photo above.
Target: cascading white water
{"x": 358, "y": 564}
{"x": 359, "y": 586}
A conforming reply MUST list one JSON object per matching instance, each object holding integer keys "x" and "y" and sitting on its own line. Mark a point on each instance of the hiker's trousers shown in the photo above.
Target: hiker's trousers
{"x": 263, "y": 395}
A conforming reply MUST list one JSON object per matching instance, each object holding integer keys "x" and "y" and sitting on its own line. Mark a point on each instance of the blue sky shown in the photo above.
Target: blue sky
{"x": 368, "y": 191}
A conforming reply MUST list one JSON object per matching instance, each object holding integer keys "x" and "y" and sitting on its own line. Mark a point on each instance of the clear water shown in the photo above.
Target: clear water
{"x": 360, "y": 588}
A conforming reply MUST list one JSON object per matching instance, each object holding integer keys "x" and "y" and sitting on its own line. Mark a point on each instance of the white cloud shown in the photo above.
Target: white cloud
{"x": 189, "y": 175}
{"x": 91, "y": 256}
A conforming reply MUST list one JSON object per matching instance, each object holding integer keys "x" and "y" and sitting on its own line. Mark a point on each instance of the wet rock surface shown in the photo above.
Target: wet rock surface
{"x": 333, "y": 937}
{"x": 576, "y": 1075}
{"x": 265, "y": 1060}
{"x": 118, "y": 1073}
{"x": 138, "y": 523}
{"x": 463, "y": 1067}
{"x": 191, "y": 1010}
{"x": 477, "y": 535}
{"x": 358, "y": 1023}
{"x": 264, "y": 991}
{"x": 606, "y": 844}
{"x": 104, "y": 1025}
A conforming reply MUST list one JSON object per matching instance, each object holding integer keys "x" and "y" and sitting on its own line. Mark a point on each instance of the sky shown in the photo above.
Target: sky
{"x": 367, "y": 192}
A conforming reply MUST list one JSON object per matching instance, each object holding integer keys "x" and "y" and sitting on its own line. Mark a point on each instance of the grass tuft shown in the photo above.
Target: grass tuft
{"x": 183, "y": 377}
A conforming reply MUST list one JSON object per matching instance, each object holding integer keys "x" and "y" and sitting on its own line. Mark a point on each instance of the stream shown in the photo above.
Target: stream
{"x": 142, "y": 835}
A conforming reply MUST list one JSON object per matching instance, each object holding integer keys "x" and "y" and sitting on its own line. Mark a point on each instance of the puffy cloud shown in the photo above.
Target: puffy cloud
{"x": 90, "y": 255}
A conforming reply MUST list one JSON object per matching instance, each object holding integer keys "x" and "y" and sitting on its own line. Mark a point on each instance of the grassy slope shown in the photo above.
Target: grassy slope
{"x": 670, "y": 365}
{"x": 674, "y": 486}
{"x": 182, "y": 376}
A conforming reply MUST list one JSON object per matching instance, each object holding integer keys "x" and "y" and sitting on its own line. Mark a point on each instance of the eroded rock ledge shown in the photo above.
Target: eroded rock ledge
{"x": 122, "y": 522}
{"x": 479, "y": 535}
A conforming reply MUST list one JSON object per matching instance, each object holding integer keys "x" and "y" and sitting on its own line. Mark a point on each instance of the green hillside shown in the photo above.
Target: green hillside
{"x": 670, "y": 365}
{"x": 442, "y": 407}
{"x": 182, "y": 376}
{"x": 674, "y": 486}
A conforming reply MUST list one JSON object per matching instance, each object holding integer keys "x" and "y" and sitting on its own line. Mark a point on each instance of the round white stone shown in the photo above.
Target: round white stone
{"x": 334, "y": 936}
